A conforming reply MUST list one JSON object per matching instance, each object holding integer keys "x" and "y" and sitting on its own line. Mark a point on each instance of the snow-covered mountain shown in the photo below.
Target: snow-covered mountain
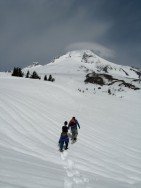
{"x": 87, "y": 67}
{"x": 32, "y": 112}
{"x": 88, "y": 60}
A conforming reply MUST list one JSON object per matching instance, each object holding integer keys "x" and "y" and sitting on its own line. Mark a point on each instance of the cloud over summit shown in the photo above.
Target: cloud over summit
{"x": 101, "y": 50}
{"x": 33, "y": 30}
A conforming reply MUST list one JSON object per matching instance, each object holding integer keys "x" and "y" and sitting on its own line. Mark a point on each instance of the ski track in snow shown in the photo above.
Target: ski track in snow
{"x": 73, "y": 177}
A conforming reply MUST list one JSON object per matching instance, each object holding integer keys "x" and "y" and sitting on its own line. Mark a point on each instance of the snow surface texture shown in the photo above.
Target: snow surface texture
{"x": 107, "y": 153}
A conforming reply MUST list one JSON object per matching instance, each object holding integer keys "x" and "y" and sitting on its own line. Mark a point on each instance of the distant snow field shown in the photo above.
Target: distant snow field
{"x": 32, "y": 112}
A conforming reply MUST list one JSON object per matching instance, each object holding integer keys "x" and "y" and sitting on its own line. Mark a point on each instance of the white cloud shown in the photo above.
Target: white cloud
{"x": 99, "y": 49}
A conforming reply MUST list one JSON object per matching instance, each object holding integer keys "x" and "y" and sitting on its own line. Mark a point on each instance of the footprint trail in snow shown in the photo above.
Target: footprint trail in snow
{"x": 73, "y": 178}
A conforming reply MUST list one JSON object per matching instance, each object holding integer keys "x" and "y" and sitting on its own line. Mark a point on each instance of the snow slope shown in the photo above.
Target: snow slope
{"x": 32, "y": 112}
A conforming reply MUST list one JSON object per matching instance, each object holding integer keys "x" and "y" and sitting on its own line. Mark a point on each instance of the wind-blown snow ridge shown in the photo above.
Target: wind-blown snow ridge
{"x": 108, "y": 151}
{"x": 34, "y": 65}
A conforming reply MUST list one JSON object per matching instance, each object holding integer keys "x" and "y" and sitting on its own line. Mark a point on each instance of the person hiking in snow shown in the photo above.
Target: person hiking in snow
{"x": 64, "y": 138}
{"x": 73, "y": 124}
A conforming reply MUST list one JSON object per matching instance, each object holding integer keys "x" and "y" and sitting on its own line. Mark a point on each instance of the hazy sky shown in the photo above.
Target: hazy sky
{"x": 39, "y": 30}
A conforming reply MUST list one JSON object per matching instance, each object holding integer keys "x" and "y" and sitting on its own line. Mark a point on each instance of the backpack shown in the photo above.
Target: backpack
{"x": 73, "y": 123}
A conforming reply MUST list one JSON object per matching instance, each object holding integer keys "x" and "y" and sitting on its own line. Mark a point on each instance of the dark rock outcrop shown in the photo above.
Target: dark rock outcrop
{"x": 106, "y": 79}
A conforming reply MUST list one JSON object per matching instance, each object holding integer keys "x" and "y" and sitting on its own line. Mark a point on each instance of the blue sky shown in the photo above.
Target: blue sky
{"x": 39, "y": 30}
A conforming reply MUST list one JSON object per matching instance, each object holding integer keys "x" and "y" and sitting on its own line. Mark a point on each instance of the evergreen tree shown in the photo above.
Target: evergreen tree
{"x": 17, "y": 72}
{"x": 53, "y": 79}
{"x": 14, "y": 72}
{"x": 50, "y": 78}
{"x": 35, "y": 75}
{"x": 27, "y": 74}
{"x": 109, "y": 91}
{"x": 20, "y": 73}
{"x": 45, "y": 77}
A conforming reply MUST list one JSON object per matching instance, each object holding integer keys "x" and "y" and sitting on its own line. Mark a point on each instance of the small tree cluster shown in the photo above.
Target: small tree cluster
{"x": 17, "y": 72}
{"x": 50, "y": 78}
{"x": 35, "y": 75}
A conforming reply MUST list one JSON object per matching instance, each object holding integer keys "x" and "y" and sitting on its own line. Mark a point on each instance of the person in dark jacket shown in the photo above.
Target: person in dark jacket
{"x": 64, "y": 139}
{"x": 73, "y": 124}
{"x": 65, "y": 127}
